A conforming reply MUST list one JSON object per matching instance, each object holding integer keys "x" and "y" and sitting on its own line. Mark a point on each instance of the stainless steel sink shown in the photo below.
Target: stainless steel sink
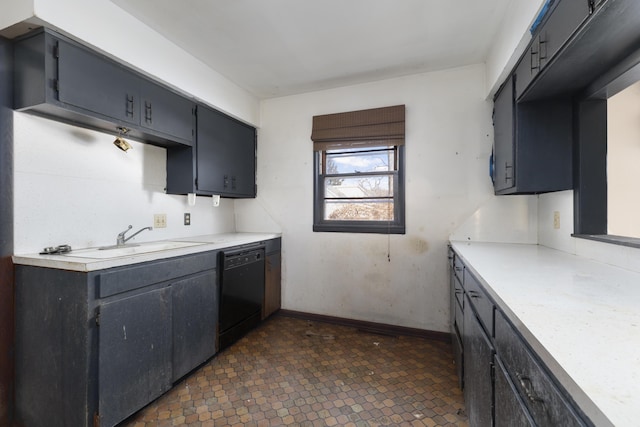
{"x": 142, "y": 248}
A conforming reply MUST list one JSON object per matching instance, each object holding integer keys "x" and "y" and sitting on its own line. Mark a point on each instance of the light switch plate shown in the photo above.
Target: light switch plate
{"x": 187, "y": 218}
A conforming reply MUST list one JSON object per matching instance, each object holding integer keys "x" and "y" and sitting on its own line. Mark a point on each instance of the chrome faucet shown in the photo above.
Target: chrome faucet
{"x": 121, "y": 239}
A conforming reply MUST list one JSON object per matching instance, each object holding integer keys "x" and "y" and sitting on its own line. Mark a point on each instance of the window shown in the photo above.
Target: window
{"x": 359, "y": 171}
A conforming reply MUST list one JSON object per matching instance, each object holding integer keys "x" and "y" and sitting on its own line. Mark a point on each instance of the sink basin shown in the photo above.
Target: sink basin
{"x": 129, "y": 250}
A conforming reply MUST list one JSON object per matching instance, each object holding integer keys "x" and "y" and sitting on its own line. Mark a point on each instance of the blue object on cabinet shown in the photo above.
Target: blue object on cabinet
{"x": 541, "y": 15}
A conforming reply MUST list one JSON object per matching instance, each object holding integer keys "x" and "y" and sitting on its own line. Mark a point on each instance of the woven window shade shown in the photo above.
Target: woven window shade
{"x": 364, "y": 128}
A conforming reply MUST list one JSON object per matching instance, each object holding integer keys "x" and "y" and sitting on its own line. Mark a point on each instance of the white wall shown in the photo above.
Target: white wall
{"x": 73, "y": 186}
{"x": 449, "y": 137}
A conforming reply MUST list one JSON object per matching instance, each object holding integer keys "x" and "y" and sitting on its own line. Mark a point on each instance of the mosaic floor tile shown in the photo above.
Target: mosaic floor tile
{"x": 291, "y": 372}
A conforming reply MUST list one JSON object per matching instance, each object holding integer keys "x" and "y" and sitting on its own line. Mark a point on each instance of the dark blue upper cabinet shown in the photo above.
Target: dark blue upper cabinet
{"x": 92, "y": 83}
{"x": 226, "y": 153}
{"x": 223, "y": 161}
{"x": 578, "y": 42}
{"x": 166, "y": 112}
{"x": 59, "y": 78}
{"x": 557, "y": 28}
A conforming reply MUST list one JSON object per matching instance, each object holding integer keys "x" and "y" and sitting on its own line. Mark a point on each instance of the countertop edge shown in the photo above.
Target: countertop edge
{"x": 207, "y": 243}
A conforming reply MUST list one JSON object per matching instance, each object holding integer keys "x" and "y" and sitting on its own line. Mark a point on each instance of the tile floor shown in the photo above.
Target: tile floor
{"x": 300, "y": 373}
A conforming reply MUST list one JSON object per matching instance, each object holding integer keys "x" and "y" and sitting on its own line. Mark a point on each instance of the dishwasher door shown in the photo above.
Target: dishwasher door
{"x": 241, "y": 293}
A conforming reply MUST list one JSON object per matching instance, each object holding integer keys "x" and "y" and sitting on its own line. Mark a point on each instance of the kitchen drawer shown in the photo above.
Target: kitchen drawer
{"x": 509, "y": 408}
{"x": 458, "y": 269}
{"x": 480, "y": 301}
{"x": 546, "y": 404}
{"x": 125, "y": 279}
{"x": 459, "y": 291}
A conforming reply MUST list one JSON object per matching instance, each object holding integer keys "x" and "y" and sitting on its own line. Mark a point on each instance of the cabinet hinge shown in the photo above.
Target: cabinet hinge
{"x": 56, "y": 85}
{"x": 56, "y": 50}
{"x": 97, "y": 316}
{"x": 195, "y": 181}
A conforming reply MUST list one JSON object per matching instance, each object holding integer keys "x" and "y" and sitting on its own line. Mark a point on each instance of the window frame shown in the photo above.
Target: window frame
{"x": 397, "y": 226}
{"x": 590, "y": 208}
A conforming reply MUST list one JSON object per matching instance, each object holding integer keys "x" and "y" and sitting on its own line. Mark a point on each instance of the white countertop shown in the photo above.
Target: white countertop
{"x": 582, "y": 318}
{"x": 77, "y": 260}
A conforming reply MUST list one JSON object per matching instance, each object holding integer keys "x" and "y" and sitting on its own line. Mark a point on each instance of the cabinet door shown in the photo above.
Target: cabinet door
{"x": 194, "y": 304}
{"x": 561, "y": 24}
{"x": 243, "y": 180}
{"x": 509, "y": 410}
{"x": 504, "y": 137}
{"x": 527, "y": 68}
{"x": 225, "y": 155}
{"x": 167, "y": 112}
{"x": 478, "y": 382}
{"x": 134, "y": 353}
{"x": 272, "y": 286}
{"x": 543, "y": 399}
{"x": 94, "y": 83}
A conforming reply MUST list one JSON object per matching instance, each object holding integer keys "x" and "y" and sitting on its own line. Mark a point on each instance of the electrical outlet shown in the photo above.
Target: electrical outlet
{"x": 556, "y": 220}
{"x": 160, "y": 221}
{"x": 187, "y": 218}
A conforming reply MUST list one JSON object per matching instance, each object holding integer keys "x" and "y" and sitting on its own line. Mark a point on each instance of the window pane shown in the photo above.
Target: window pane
{"x": 359, "y": 186}
{"x": 359, "y": 210}
{"x": 355, "y": 162}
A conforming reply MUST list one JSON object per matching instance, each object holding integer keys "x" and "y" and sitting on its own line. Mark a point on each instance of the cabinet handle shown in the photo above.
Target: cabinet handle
{"x": 531, "y": 62}
{"x": 507, "y": 166}
{"x": 527, "y": 386}
{"x": 147, "y": 112}
{"x": 474, "y": 294}
{"x": 459, "y": 269}
{"x": 129, "y": 106}
{"x": 542, "y": 57}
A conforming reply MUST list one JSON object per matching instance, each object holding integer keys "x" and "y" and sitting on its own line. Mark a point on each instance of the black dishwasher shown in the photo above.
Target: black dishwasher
{"x": 241, "y": 292}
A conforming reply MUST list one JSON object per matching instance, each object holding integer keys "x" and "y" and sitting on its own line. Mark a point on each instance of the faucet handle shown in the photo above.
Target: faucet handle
{"x": 120, "y": 240}
{"x": 125, "y": 231}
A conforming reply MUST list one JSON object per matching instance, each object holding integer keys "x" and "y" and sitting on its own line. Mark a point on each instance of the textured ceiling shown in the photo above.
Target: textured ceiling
{"x": 282, "y": 47}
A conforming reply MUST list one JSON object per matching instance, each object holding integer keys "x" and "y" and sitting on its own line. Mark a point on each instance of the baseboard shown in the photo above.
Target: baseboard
{"x": 372, "y": 327}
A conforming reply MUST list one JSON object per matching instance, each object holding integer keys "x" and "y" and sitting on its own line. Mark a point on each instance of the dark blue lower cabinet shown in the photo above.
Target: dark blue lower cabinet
{"x": 505, "y": 382}
{"x": 134, "y": 353}
{"x": 510, "y": 410}
{"x": 194, "y": 316}
{"x": 93, "y": 348}
{"x": 478, "y": 372}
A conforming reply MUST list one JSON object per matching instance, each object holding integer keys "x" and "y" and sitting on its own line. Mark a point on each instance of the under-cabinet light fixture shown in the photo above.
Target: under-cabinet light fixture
{"x": 120, "y": 141}
{"x": 191, "y": 199}
{"x": 216, "y": 200}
